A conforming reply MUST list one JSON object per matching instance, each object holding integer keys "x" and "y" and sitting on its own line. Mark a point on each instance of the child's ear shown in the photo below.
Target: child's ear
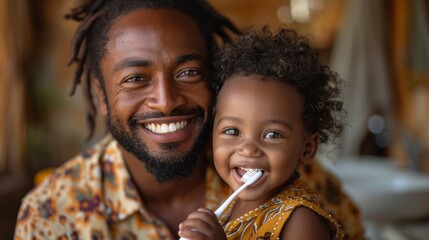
{"x": 310, "y": 148}
{"x": 101, "y": 95}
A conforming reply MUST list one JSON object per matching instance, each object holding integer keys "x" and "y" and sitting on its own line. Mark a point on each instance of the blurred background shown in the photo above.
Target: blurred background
{"x": 381, "y": 49}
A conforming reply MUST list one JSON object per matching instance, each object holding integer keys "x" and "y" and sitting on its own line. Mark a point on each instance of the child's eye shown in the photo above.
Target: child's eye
{"x": 273, "y": 134}
{"x": 231, "y": 131}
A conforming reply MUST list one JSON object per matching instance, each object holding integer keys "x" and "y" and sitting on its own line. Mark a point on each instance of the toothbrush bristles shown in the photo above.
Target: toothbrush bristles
{"x": 249, "y": 174}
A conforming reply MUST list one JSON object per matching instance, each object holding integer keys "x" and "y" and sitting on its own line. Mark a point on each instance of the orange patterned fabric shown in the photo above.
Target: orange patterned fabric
{"x": 93, "y": 197}
{"x": 267, "y": 221}
{"x": 333, "y": 200}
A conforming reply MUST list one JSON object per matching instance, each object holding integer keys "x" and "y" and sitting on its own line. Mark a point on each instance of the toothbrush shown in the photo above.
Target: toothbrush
{"x": 249, "y": 178}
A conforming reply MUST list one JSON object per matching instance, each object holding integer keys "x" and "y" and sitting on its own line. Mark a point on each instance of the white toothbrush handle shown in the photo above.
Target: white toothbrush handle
{"x": 225, "y": 204}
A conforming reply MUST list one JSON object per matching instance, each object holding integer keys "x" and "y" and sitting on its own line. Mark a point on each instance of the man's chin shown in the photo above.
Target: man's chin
{"x": 166, "y": 167}
{"x": 165, "y": 161}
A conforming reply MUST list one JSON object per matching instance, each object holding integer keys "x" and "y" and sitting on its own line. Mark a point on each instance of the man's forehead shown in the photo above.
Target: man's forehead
{"x": 154, "y": 38}
{"x": 149, "y": 28}
{"x": 160, "y": 20}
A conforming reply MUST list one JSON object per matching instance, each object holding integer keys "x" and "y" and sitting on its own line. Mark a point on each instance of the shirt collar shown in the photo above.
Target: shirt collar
{"x": 122, "y": 198}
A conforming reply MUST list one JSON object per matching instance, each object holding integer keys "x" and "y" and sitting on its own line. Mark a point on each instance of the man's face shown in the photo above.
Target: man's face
{"x": 157, "y": 100}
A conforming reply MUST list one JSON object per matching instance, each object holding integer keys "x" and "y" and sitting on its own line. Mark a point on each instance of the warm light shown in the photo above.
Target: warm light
{"x": 300, "y": 10}
{"x": 316, "y": 4}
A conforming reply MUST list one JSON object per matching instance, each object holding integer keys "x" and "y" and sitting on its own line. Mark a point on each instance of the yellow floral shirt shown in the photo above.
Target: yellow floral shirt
{"x": 267, "y": 221}
{"x": 93, "y": 197}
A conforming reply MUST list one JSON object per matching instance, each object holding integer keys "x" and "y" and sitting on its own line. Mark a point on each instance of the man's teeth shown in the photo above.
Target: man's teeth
{"x": 166, "y": 127}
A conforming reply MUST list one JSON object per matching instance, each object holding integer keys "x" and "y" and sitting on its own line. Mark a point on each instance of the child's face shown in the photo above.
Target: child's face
{"x": 258, "y": 125}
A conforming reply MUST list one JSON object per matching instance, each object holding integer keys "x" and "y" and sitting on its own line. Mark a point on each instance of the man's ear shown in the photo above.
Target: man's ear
{"x": 101, "y": 95}
{"x": 310, "y": 148}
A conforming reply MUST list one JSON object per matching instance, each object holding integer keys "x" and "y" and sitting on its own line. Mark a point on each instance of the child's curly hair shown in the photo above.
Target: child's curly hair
{"x": 287, "y": 57}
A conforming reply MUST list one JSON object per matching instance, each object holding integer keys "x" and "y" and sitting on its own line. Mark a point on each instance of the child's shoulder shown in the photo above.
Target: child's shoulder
{"x": 298, "y": 210}
{"x": 301, "y": 220}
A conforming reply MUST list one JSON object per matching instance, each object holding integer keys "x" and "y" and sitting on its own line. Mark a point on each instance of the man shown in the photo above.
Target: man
{"x": 150, "y": 60}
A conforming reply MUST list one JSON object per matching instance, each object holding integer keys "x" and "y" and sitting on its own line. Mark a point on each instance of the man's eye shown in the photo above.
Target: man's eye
{"x": 189, "y": 72}
{"x": 231, "y": 131}
{"x": 273, "y": 134}
{"x": 137, "y": 79}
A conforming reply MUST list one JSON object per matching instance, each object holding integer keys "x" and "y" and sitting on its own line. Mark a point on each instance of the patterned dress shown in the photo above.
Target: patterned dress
{"x": 267, "y": 221}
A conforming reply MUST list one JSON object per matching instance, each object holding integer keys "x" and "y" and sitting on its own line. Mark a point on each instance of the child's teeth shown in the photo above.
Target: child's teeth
{"x": 246, "y": 169}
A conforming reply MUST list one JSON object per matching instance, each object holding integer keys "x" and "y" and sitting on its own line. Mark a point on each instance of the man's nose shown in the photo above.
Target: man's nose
{"x": 250, "y": 149}
{"x": 165, "y": 96}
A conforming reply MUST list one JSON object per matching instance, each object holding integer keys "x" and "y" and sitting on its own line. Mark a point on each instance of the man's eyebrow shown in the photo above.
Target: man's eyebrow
{"x": 127, "y": 63}
{"x": 188, "y": 57}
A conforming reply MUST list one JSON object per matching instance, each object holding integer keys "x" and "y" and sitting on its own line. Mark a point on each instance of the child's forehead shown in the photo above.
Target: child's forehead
{"x": 257, "y": 88}
{"x": 246, "y": 81}
{"x": 259, "y": 101}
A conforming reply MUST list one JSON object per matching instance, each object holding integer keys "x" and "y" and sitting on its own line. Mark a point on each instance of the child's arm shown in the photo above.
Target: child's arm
{"x": 305, "y": 224}
{"x": 202, "y": 225}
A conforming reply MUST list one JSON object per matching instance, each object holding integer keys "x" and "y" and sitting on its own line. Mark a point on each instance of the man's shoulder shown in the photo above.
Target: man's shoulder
{"x": 81, "y": 172}
{"x": 68, "y": 197}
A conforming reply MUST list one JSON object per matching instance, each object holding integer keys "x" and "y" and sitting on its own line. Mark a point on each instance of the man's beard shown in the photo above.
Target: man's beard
{"x": 170, "y": 164}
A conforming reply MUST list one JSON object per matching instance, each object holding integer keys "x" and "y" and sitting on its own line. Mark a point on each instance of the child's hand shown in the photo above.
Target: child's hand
{"x": 202, "y": 225}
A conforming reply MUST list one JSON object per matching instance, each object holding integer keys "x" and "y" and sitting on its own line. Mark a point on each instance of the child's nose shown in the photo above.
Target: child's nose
{"x": 249, "y": 149}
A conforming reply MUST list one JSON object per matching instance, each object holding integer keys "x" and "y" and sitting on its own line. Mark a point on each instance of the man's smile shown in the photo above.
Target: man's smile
{"x": 166, "y": 127}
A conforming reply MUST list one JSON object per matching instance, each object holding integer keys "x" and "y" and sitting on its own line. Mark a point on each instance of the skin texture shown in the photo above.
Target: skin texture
{"x": 155, "y": 72}
{"x": 258, "y": 125}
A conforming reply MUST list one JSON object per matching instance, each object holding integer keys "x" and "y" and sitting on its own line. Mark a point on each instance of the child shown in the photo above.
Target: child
{"x": 275, "y": 104}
